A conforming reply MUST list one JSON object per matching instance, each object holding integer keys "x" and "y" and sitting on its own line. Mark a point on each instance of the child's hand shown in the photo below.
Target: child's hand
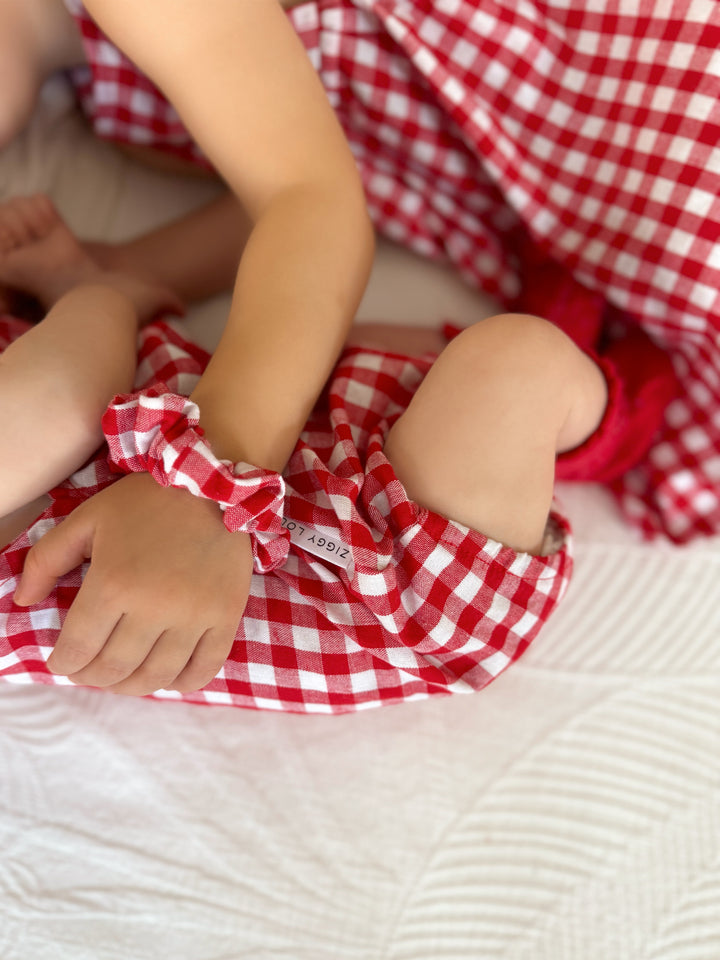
{"x": 162, "y": 600}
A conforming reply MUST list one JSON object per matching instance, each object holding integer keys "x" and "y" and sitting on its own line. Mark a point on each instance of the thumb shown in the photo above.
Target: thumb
{"x": 174, "y": 305}
{"x": 61, "y": 550}
{"x": 164, "y": 303}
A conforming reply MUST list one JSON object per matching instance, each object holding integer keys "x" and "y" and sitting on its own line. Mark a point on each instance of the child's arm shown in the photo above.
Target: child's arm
{"x": 242, "y": 83}
{"x": 196, "y": 256}
{"x": 244, "y": 87}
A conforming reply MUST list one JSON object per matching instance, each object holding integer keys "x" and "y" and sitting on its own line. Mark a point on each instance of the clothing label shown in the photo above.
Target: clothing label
{"x": 320, "y": 545}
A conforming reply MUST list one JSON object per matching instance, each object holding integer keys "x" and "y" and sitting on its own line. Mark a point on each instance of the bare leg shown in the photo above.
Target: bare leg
{"x": 56, "y": 380}
{"x": 479, "y": 439}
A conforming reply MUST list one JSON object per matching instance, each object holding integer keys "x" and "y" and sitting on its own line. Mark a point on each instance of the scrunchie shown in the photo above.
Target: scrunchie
{"x": 157, "y": 432}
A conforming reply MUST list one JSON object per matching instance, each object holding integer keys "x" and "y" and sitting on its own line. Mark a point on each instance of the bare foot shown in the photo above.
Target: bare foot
{"x": 40, "y": 256}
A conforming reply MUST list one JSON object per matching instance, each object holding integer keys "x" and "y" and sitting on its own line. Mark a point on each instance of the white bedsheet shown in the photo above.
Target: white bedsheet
{"x": 569, "y": 812}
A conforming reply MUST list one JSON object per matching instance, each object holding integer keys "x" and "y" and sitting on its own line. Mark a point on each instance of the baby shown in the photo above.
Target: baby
{"x": 423, "y": 482}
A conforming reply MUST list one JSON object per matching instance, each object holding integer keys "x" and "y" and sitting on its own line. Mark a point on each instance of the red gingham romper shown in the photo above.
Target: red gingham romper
{"x": 400, "y": 603}
{"x": 587, "y": 131}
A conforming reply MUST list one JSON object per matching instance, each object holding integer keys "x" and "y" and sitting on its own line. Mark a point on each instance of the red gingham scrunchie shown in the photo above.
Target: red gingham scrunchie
{"x": 156, "y": 431}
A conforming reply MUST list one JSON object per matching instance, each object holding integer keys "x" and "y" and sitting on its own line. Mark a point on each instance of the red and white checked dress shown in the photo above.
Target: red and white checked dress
{"x": 590, "y": 128}
{"x": 418, "y": 605}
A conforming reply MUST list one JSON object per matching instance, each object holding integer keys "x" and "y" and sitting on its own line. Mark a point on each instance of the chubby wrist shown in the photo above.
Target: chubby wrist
{"x": 158, "y": 432}
{"x": 258, "y": 439}
{"x": 124, "y": 295}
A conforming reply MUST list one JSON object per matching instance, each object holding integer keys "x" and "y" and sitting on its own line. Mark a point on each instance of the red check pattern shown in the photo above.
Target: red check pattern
{"x": 424, "y": 607}
{"x": 158, "y": 432}
{"x": 120, "y": 102}
{"x": 592, "y": 128}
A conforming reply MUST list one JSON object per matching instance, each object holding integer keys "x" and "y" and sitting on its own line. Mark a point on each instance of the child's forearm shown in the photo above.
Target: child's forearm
{"x": 300, "y": 280}
{"x": 195, "y": 256}
{"x": 273, "y": 137}
{"x": 55, "y": 382}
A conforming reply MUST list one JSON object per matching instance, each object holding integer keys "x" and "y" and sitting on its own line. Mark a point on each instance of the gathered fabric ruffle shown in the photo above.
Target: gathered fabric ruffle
{"x": 158, "y": 432}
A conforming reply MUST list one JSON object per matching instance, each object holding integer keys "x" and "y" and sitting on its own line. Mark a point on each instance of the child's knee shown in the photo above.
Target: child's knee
{"x": 510, "y": 363}
{"x": 478, "y": 441}
{"x": 532, "y": 361}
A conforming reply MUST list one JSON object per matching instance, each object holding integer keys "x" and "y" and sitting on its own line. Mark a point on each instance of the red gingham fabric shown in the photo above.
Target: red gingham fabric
{"x": 401, "y": 603}
{"x": 158, "y": 432}
{"x": 120, "y": 102}
{"x": 592, "y": 128}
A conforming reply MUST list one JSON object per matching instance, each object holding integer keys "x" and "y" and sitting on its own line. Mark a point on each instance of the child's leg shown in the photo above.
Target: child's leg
{"x": 56, "y": 380}
{"x": 479, "y": 439}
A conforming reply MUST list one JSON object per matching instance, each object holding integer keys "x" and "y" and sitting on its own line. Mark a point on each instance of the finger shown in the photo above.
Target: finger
{"x": 15, "y": 221}
{"x": 165, "y": 661}
{"x": 26, "y": 217}
{"x": 174, "y": 305}
{"x": 125, "y": 648}
{"x": 207, "y": 659}
{"x": 7, "y": 240}
{"x": 58, "y": 552}
{"x": 89, "y": 624}
{"x": 171, "y": 305}
{"x": 177, "y": 309}
{"x": 41, "y": 214}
